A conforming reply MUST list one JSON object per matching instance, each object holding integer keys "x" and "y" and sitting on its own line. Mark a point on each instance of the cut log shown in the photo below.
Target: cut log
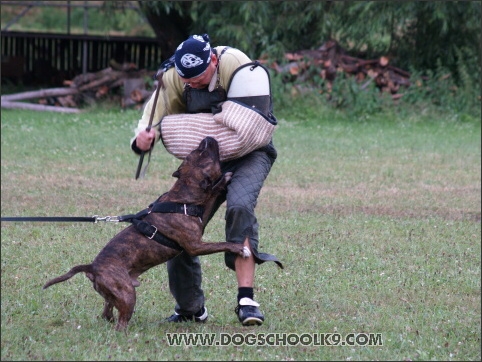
{"x": 67, "y": 101}
{"x": 85, "y": 88}
{"x": 140, "y": 95}
{"x": 101, "y": 81}
{"x": 102, "y": 91}
{"x": 90, "y": 77}
{"x": 331, "y": 59}
{"x": 383, "y": 61}
{"x": 37, "y": 107}
{"x": 43, "y": 93}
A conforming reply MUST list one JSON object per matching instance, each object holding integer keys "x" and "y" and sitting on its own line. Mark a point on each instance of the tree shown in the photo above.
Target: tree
{"x": 171, "y": 22}
{"x": 420, "y": 35}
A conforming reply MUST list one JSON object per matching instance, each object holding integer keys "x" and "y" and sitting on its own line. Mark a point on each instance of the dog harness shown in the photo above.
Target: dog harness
{"x": 150, "y": 231}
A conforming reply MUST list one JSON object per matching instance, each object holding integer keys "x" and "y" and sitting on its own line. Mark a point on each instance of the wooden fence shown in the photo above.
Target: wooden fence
{"x": 48, "y": 58}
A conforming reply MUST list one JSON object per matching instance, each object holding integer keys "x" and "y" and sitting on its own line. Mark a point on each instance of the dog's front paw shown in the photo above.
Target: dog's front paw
{"x": 227, "y": 176}
{"x": 246, "y": 252}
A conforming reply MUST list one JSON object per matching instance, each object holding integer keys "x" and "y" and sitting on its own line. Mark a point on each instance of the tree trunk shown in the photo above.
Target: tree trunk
{"x": 170, "y": 29}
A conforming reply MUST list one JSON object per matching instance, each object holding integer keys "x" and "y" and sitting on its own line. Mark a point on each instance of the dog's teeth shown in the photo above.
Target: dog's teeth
{"x": 246, "y": 252}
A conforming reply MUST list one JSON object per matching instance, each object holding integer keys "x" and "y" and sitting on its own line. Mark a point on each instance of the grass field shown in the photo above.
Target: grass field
{"x": 377, "y": 221}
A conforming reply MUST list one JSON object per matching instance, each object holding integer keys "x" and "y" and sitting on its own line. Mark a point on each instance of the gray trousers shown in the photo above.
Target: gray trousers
{"x": 249, "y": 174}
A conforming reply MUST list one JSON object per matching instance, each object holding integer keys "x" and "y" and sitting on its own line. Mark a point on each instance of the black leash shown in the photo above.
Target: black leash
{"x": 150, "y": 231}
{"x": 161, "y": 207}
{"x": 50, "y": 218}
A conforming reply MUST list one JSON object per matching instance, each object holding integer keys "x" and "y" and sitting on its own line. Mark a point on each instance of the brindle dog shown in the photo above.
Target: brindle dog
{"x": 115, "y": 270}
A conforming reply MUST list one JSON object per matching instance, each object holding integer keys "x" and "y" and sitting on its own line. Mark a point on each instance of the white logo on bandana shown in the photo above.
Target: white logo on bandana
{"x": 198, "y": 38}
{"x": 190, "y": 60}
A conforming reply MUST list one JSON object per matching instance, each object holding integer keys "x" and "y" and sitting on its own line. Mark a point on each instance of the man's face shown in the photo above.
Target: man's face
{"x": 202, "y": 81}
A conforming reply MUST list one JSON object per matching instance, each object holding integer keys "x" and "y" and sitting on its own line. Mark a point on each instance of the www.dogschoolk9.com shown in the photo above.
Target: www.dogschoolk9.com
{"x": 274, "y": 339}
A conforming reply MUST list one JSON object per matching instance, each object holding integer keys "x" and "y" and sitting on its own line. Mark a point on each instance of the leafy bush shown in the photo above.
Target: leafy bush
{"x": 432, "y": 89}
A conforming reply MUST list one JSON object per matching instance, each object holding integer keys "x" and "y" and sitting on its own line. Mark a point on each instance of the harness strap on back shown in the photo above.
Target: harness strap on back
{"x": 166, "y": 207}
{"x": 175, "y": 207}
{"x": 150, "y": 231}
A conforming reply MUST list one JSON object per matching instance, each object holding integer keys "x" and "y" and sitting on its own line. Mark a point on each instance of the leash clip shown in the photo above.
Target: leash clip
{"x": 106, "y": 219}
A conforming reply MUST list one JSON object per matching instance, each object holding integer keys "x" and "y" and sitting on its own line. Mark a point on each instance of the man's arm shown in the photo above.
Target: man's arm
{"x": 169, "y": 102}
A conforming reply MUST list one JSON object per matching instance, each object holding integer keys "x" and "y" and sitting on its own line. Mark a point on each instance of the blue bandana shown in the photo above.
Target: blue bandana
{"x": 193, "y": 56}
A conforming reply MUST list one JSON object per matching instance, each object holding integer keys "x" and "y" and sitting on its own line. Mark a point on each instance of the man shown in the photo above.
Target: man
{"x": 196, "y": 83}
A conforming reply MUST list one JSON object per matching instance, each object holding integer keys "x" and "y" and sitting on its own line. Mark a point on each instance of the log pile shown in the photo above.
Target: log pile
{"x": 125, "y": 83}
{"x": 331, "y": 59}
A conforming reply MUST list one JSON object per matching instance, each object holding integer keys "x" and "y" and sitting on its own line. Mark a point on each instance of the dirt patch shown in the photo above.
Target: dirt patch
{"x": 449, "y": 203}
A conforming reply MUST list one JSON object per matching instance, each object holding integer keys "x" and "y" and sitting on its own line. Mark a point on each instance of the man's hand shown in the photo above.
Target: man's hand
{"x": 145, "y": 139}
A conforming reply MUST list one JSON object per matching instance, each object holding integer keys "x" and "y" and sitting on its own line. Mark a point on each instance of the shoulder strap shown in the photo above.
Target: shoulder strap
{"x": 223, "y": 51}
{"x": 166, "y": 65}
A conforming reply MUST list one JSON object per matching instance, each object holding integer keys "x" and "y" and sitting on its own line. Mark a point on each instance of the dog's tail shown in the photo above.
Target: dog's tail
{"x": 86, "y": 268}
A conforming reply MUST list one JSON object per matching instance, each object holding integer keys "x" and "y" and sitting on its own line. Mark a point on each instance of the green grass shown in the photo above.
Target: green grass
{"x": 376, "y": 219}
{"x": 54, "y": 19}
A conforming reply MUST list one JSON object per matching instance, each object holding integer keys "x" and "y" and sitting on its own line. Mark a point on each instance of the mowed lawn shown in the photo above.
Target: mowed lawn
{"x": 377, "y": 220}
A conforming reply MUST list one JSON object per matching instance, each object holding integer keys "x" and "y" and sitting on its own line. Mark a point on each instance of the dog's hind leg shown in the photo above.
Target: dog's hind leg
{"x": 108, "y": 313}
{"x": 125, "y": 304}
{"x": 118, "y": 292}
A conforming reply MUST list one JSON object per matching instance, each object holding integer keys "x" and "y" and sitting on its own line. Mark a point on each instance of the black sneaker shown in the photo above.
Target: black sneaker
{"x": 248, "y": 312}
{"x": 199, "y": 317}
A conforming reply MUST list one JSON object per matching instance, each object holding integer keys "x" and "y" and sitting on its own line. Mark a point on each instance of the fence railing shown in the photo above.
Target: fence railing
{"x": 41, "y": 55}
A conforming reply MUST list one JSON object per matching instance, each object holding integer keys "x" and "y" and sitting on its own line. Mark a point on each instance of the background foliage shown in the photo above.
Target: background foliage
{"x": 437, "y": 41}
{"x": 420, "y": 35}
